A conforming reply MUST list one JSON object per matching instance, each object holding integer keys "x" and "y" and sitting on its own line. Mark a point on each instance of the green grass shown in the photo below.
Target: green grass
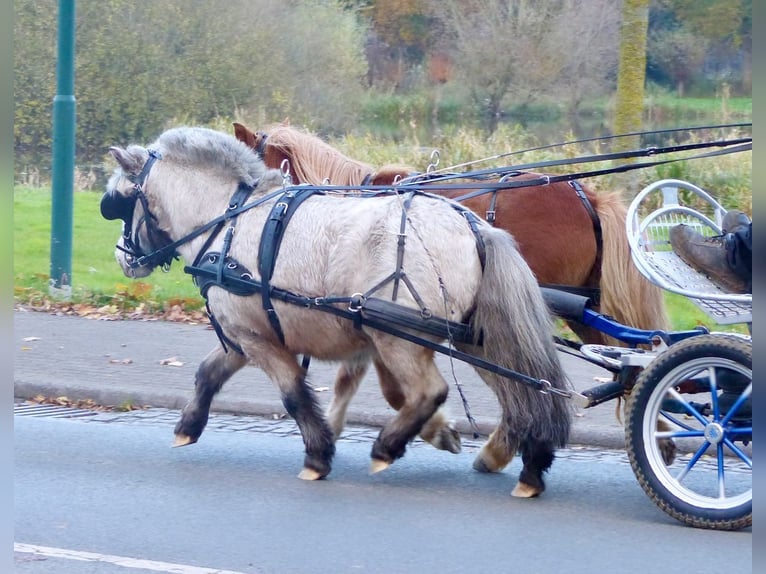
{"x": 684, "y": 315}
{"x": 96, "y": 277}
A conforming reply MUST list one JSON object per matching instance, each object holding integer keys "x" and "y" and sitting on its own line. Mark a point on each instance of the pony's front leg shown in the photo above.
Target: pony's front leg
{"x": 213, "y": 372}
{"x": 299, "y": 401}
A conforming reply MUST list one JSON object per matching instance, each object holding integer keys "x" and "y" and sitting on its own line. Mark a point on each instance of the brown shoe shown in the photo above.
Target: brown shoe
{"x": 706, "y": 254}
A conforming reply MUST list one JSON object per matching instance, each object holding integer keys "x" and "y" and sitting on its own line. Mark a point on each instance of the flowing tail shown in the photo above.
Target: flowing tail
{"x": 626, "y": 295}
{"x": 516, "y": 327}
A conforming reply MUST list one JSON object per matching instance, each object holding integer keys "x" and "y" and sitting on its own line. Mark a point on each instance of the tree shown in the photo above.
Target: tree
{"x": 402, "y": 32}
{"x": 143, "y": 66}
{"x": 694, "y": 41}
{"x": 632, "y": 70}
{"x": 526, "y": 51}
{"x": 679, "y": 54}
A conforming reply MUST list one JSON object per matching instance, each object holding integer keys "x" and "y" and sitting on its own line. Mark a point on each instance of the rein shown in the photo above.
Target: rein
{"x": 547, "y": 179}
{"x": 646, "y": 152}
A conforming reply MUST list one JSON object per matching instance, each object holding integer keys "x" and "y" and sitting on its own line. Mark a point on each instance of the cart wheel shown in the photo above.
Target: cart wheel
{"x": 697, "y": 393}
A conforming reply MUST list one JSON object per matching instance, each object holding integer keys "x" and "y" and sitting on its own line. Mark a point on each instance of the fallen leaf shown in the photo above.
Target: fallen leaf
{"x": 30, "y": 339}
{"x": 171, "y": 362}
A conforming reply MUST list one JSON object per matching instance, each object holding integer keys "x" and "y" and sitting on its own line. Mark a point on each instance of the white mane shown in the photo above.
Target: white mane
{"x": 209, "y": 148}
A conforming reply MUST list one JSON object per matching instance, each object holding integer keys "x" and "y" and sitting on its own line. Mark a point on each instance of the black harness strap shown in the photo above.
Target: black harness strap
{"x": 238, "y": 199}
{"x": 574, "y": 184}
{"x": 268, "y": 249}
{"x": 399, "y": 274}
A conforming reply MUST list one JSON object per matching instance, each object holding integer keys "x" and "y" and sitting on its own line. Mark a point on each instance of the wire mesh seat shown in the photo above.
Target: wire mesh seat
{"x": 654, "y": 211}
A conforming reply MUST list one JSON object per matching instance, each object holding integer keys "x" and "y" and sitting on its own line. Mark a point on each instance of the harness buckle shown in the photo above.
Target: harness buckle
{"x": 283, "y": 206}
{"x": 490, "y": 216}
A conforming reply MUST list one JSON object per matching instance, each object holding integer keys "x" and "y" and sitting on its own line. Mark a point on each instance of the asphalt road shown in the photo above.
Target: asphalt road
{"x": 105, "y": 493}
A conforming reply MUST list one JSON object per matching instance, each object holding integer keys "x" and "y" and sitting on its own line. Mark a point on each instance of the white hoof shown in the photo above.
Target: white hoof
{"x": 524, "y": 491}
{"x": 378, "y": 465}
{"x": 309, "y": 474}
{"x": 183, "y": 440}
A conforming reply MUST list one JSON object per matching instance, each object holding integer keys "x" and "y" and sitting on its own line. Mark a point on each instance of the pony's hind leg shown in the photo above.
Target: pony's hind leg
{"x": 537, "y": 457}
{"x": 499, "y": 450}
{"x": 347, "y": 383}
{"x": 496, "y": 453}
{"x": 423, "y": 390}
{"x": 212, "y": 373}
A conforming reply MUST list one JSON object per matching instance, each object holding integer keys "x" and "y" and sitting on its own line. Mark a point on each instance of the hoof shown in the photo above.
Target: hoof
{"x": 183, "y": 440}
{"x": 310, "y": 474}
{"x": 481, "y": 464}
{"x": 668, "y": 450}
{"x": 525, "y": 491}
{"x": 378, "y": 465}
{"x": 447, "y": 439}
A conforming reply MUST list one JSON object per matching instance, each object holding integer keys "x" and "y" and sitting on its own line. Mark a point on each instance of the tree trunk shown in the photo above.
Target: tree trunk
{"x": 630, "y": 78}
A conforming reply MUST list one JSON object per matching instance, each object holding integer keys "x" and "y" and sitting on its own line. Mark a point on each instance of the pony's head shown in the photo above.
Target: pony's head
{"x": 125, "y": 199}
{"x": 272, "y": 152}
{"x": 200, "y": 169}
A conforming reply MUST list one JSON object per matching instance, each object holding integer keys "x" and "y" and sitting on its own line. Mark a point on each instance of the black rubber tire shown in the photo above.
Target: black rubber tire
{"x": 688, "y": 497}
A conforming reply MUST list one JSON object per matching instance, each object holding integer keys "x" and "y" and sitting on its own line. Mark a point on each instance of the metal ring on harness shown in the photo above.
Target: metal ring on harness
{"x": 284, "y": 167}
{"x": 434, "y": 161}
{"x": 356, "y": 303}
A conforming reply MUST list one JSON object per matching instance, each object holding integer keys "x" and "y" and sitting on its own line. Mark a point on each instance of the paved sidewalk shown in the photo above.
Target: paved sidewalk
{"x": 153, "y": 363}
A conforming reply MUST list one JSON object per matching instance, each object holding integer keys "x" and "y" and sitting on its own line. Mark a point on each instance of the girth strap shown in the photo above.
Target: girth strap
{"x": 268, "y": 249}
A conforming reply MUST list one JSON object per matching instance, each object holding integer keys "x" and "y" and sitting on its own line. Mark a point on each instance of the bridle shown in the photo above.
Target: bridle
{"x": 116, "y": 206}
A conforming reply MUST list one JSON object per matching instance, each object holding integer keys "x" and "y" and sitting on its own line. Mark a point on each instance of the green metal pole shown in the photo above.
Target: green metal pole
{"x": 63, "y": 156}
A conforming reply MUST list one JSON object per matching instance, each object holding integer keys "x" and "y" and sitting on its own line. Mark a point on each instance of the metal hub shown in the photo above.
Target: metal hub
{"x": 714, "y": 433}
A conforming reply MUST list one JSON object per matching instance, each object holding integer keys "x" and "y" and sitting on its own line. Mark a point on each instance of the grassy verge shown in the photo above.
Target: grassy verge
{"x": 97, "y": 279}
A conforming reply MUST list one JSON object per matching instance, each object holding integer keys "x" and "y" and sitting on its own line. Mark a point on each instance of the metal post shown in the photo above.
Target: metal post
{"x": 63, "y": 156}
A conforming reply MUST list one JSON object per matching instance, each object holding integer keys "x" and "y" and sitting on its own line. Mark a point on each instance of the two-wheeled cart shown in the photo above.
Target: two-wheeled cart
{"x": 688, "y": 426}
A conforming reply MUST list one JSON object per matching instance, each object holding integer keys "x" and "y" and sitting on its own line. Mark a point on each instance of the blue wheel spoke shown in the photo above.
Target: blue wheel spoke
{"x": 692, "y": 461}
{"x": 721, "y": 471}
{"x": 687, "y": 407}
{"x": 739, "y": 452}
{"x": 737, "y": 404}
{"x": 678, "y": 422}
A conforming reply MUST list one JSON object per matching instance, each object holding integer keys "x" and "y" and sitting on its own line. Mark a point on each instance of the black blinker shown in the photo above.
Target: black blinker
{"x": 116, "y": 206}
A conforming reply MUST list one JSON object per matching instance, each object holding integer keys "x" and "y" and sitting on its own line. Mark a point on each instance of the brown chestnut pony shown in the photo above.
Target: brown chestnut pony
{"x": 569, "y": 235}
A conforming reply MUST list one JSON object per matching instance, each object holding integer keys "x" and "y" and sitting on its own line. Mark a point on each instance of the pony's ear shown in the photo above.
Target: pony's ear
{"x": 244, "y": 135}
{"x": 130, "y": 163}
